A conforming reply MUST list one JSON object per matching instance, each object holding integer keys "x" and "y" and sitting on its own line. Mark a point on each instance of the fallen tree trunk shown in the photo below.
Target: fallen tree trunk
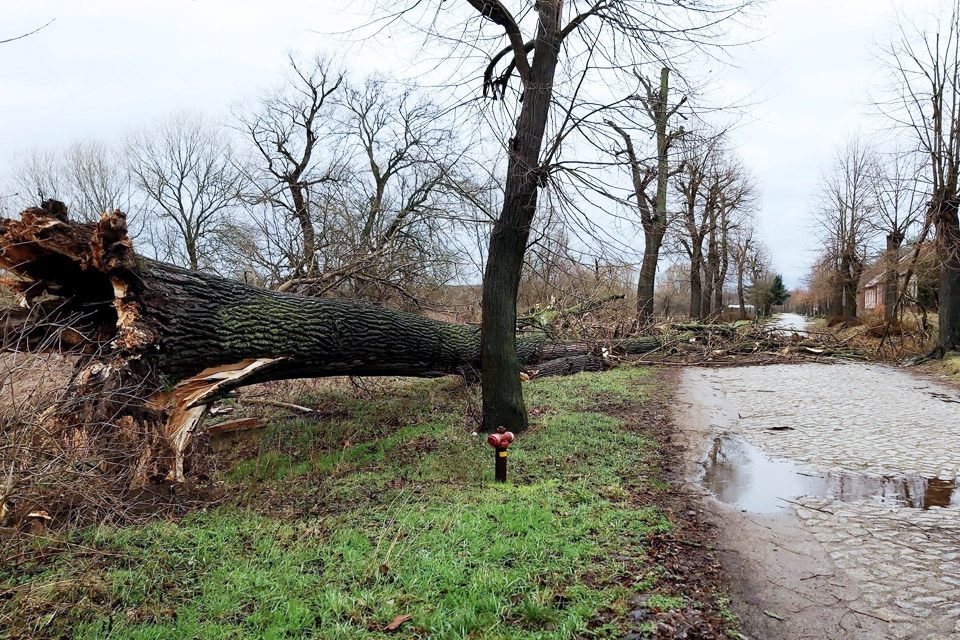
{"x": 569, "y": 365}
{"x": 182, "y": 338}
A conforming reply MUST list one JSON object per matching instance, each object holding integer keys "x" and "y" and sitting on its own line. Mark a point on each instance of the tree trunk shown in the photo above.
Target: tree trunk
{"x": 851, "y": 269}
{"x": 302, "y": 214}
{"x": 948, "y": 248}
{"x": 741, "y": 301}
{"x": 723, "y": 265}
{"x": 710, "y": 272}
{"x": 696, "y": 287}
{"x": 706, "y": 294}
{"x": 839, "y": 289}
{"x": 502, "y": 393}
{"x": 646, "y": 281}
{"x": 850, "y": 297}
{"x": 718, "y": 292}
{"x": 891, "y": 279}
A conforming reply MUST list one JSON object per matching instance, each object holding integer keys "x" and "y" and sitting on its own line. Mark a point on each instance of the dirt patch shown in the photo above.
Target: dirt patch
{"x": 693, "y": 572}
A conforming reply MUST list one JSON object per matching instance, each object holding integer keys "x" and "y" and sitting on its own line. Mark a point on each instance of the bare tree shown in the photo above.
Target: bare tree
{"x": 286, "y": 130}
{"x": 736, "y": 201}
{"x": 38, "y": 175}
{"x": 744, "y": 248}
{"x": 901, "y": 200}
{"x": 88, "y": 176}
{"x": 653, "y": 208}
{"x": 404, "y": 185}
{"x": 186, "y": 171}
{"x": 846, "y": 204}
{"x": 924, "y": 101}
{"x": 699, "y": 184}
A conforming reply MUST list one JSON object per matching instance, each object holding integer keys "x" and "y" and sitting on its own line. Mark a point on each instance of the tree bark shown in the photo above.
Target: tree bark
{"x": 646, "y": 281}
{"x": 741, "y": 300}
{"x": 710, "y": 272}
{"x": 891, "y": 278}
{"x": 502, "y": 393}
{"x": 723, "y": 265}
{"x": 301, "y": 211}
{"x": 948, "y": 248}
{"x": 696, "y": 286}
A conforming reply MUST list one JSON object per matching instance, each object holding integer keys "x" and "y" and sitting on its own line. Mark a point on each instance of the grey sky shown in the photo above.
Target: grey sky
{"x": 105, "y": 66}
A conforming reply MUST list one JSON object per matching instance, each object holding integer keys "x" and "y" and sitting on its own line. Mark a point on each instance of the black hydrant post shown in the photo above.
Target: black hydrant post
{"x": 500, "y": 471}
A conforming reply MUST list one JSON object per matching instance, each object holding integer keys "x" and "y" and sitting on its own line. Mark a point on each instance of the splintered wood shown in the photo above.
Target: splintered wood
{"x": 190, "y": 400}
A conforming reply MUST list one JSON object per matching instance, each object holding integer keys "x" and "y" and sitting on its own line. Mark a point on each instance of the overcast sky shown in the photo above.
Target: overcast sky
{"x": 106, "y": 66}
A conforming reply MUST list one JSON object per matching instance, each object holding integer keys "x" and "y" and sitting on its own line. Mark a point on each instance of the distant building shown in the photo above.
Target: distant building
{"x": 872, "y": 296}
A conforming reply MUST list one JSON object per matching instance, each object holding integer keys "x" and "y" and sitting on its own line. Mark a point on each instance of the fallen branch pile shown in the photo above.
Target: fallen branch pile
{"x": 751, "y": 344}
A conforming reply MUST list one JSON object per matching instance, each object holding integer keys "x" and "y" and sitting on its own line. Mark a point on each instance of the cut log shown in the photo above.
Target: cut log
{"x": 570, "y": 365}
{"x": 182, "y": 338}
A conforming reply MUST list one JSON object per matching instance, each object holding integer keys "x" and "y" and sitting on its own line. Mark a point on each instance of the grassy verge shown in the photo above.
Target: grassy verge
{"x": 381, "y": 508}
{"x": 949, "y": 366}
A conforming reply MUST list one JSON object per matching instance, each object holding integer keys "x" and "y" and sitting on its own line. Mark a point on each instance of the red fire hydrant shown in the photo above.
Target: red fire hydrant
{"x": 500, "y": 441}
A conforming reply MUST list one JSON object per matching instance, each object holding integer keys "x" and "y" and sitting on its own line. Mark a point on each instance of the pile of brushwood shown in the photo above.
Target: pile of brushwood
{"x": 755, "y": 343}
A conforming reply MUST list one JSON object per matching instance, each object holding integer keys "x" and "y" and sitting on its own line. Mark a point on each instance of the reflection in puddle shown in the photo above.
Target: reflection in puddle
{"x": 738, "y": 473}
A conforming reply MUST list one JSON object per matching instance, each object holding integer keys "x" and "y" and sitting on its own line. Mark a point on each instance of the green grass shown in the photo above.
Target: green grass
{"x": 386, "y": 508}
{"x": 950, "y": 366}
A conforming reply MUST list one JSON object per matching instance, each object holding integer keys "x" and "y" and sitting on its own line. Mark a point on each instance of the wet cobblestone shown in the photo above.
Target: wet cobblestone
{"x": 872, "y": 420}
{"x": 906, "y": 562}
{"x": 860, "y": 418}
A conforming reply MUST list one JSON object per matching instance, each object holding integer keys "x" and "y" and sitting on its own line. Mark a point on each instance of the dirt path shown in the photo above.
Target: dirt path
{"x": 833, "y": 487}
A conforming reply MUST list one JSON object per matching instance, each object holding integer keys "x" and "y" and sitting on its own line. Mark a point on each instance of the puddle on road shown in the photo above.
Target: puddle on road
{"x": 738, "y": 473}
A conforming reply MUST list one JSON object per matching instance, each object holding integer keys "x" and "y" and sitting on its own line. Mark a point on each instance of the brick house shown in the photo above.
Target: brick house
{"x": 872, "y": 291}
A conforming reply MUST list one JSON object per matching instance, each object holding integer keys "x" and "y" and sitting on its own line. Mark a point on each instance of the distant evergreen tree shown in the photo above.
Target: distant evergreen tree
{"x": 766, "y": 292}
{"x": 778, "y": 292}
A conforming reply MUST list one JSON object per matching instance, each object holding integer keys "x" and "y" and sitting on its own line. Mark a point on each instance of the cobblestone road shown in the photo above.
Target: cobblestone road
{"x": 867, "y": 421}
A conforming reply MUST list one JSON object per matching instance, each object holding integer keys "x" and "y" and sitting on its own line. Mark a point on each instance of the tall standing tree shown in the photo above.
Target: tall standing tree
{"x": 900, "y": 198}
{"x": 593, "y": 37}
{"x": 845, "y": 207}
{"x": 700, "y": 184}
{"x": 653, "y": 209}
{"x": 736, "y": 201}
{"x": 924, "y": 66}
